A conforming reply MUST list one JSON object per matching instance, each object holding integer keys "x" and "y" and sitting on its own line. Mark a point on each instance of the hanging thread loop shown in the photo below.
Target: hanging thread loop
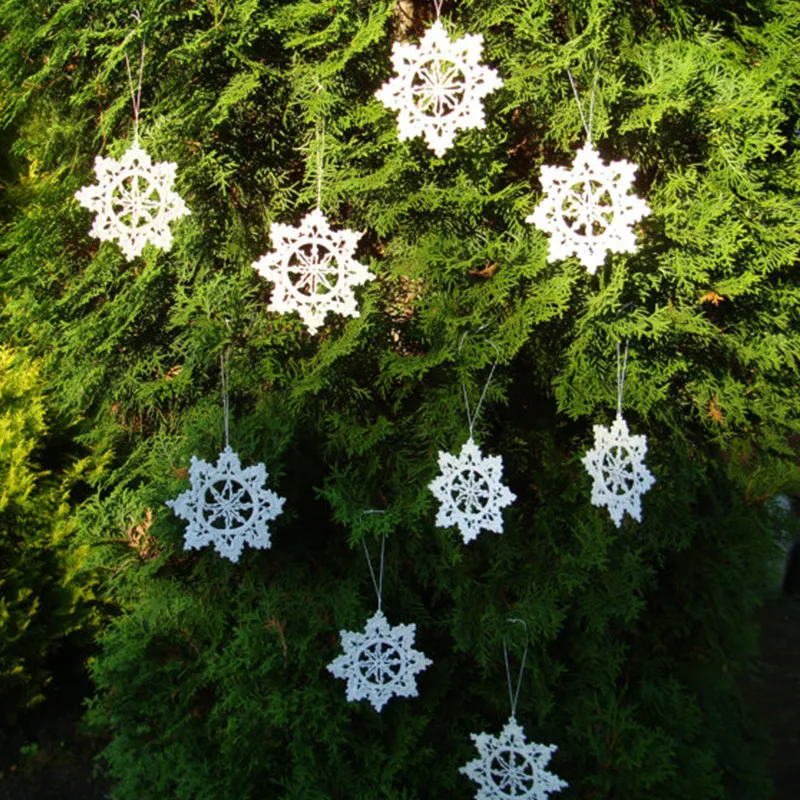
{"x": 320, "y": 152}
{"x": 136, "y": 94}
{"x": 437, "y": 4}
{"x": 513, "y": 695}
{"x": 226, "y": 405}
{"x": 622, "y": 368}
{"x": 376, "y": 582}
{"x": 587, "y": 124}
{"x": 472, "y": 418}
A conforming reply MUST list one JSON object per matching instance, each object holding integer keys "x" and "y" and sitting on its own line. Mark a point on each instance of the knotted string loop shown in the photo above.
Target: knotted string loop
{"x": 622, "y": 368}
{"x": 376, "y": 582}
{"x": 472, "y": 418}
{"x": 136, "y": 94}
{"x": 587, "y": 123}
{"x": 226, "y": 403}
{"x": 513, "y": 695}
{"x": 320, "y": 151}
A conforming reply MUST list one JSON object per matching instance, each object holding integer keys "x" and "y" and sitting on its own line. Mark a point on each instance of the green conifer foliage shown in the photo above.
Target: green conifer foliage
{"x": 212, "y": 681}
{"x": 43, "y": 598}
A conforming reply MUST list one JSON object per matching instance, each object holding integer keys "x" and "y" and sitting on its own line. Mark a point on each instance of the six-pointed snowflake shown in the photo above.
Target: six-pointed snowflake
{"x": 589, "y": 209}
{"x": 509, "y": 768}
{"x": 134, "y": 201}
{"x": 380, "y": 662}
{"x": 471, "y": 491}
{"x": 439, "y": 87}
{"x": 616, "y": 465}
{"x": 227, "y": 506}
{"x": 314, "y": 269}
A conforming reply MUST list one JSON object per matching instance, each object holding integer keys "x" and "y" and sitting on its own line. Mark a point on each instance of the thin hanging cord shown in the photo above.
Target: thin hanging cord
{"x": 320, "y": 148}
{"x": 320, "y": 159}
{"x": 471, "y": 418}
{"x": 377, "y": 583}
{"x": 587, "y": 124}
{"x": 622, "y": 368}
{"x": 513, "y": 696}
{"x": 226, "y": 406}
{"x": 438, "y": 6}
{"x": 591, "y": 100}
{"x": 136, "y": 96}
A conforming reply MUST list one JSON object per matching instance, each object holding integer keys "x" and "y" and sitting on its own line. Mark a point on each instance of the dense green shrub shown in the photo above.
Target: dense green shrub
{"x": 212, "y": 682}
{"x": 43, "y": 598}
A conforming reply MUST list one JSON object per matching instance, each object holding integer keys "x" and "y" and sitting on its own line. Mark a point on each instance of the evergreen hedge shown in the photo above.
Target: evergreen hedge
{"x": 212, "y": 680}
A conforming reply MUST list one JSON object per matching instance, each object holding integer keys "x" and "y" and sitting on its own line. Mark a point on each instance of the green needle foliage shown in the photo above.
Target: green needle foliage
{"x": 211, "y": 680}
{"x": 44, "y": 597}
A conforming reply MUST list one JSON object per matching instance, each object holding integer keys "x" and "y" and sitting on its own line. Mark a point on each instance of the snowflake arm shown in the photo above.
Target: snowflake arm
{"x": 616, "y": 466}
{"x": 471, "y": 493}
{"x": 589, "y": 209}
{"x": 314, "y": 269}
{"x": 510, "y": 768}
{"x": 133, "y": 200}
{"x": 439, "y": 87}
{"x": 379, "y": 663}
{"x": 227, "y": 506}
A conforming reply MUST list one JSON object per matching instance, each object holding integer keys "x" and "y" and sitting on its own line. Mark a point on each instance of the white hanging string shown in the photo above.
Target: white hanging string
{"x": 587, "y": 124}
{"x": 471, "y": 418}
{"x": 320, "y": 159}
{"x": 622, "y": 368}
{"x": 438, "y": 6}
{"x": 226, "y": 405}
{"x": 136, "y": 95}
{"x": 376, "y": 582}
{"x": 320, "y": 154}
{"x": 513, "y": 695}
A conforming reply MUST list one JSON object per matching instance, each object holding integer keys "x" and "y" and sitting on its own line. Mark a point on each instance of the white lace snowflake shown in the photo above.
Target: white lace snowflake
{"x": 616, "y": 465}
{"x": 380, "y": 662}
{"x": 314, "y": 269}
{"x": 509, "y": 768}
{"x": 470, "y": 490}
{"x": 438, "y": 87}
{"x": 227, "y": 506}
{"x": 589, "y": 209}
{"x": 134, "y": 201}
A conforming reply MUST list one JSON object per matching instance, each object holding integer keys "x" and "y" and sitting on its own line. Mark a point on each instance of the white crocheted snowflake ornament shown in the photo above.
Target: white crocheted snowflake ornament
{"x": 133, "y": 200}
{"x": 439, "y": 87}
{"x": 227, "y": 506}
{"x": 616, "y": 465}
{"x": 589, "y": 209}
{"x": 380, "y": 662}
{"x": 470, "y": 490}
{"x": 509, "y": 768}
{"x": 314, "y": 269}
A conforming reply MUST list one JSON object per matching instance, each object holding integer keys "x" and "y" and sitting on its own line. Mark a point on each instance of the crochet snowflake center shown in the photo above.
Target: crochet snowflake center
{"x": 439, "y": 87}
{"x": 510, "y": 768}
{"x": 616, "y": 465}
{"x": 314, "y": 269}
{"x": 227, "y": 506}
{"x": 589, "y": 209}
{"x": 470, "y": 490}
{"x": 379, "y": 663}
{"x": 133, "y": 201}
